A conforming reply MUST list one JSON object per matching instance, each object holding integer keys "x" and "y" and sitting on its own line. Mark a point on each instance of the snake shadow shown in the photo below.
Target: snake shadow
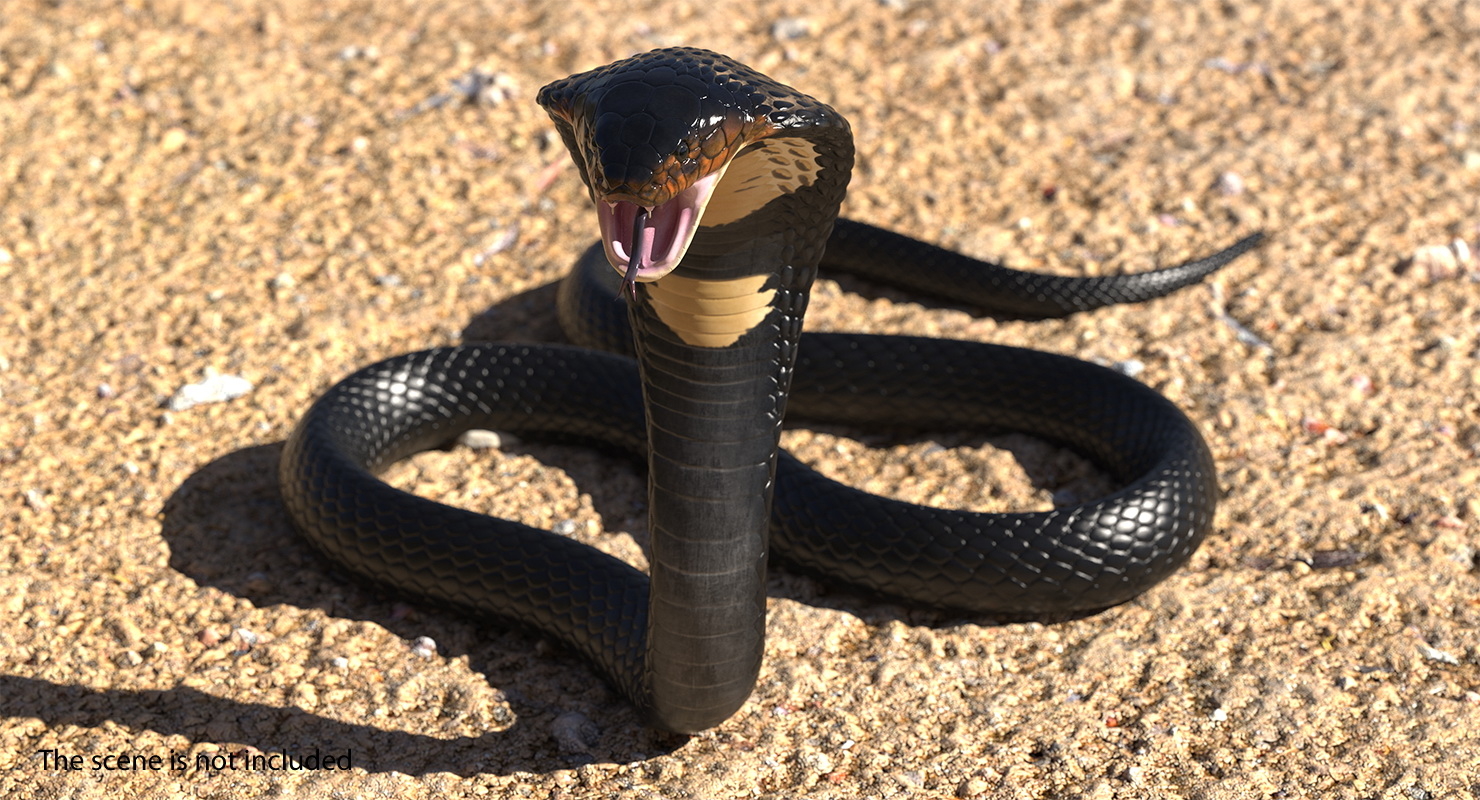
{"x": 226, "y": 528}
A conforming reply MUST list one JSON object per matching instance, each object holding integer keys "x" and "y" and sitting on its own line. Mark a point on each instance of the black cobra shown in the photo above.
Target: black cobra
{"x": 716, "y": 189}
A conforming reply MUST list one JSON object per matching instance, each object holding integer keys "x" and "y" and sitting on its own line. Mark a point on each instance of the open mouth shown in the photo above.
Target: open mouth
{"x": 644, "y": 244}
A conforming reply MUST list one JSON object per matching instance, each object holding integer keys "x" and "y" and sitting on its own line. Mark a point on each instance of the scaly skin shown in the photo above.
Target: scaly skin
{"x": 720, "y": 356}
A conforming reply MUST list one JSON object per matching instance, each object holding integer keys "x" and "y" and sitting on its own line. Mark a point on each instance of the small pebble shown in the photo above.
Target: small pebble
{"x": 1224, "y": 65}
{"x": 1461, "y": 252}
{"x": 244, "y": 639}
{"x": 1333, "y": 559}
{"x": 126, "y": 632}
{"x": 1231, "y": 183}
{"x": 789, "y": 29}
{"x": 482, "y": 440}
{"x": 368, "y": 52}
{"x": 481, "y": 86}
{"x": 973, "y": 787}
{"x": 173, "y": 139}
{"x": 257, "y": 583}
{"x": 424, "y": 646}
{"x": 574, "y": 733}
{"x": 815, "y": 762}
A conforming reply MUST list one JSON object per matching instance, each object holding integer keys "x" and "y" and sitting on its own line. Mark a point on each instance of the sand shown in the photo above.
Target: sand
{"x": 284, "y": 192}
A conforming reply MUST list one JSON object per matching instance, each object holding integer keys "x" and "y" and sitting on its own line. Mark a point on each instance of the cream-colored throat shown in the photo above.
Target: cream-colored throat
{"x": 710, "y": 313}
{"x": 716, "y": 313}
{"x": 757, "y": 176}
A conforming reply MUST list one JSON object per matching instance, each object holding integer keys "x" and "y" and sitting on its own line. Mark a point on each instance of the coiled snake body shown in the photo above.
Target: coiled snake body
{"x": 716, "y": 190}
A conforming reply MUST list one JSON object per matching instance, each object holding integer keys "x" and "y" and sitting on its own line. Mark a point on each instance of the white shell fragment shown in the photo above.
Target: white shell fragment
{"x": 1439, "y": 262}
{"x": 214, "y": 388}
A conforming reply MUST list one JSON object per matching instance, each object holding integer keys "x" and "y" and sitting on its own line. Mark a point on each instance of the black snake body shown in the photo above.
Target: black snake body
{"x": 715, "y": 325}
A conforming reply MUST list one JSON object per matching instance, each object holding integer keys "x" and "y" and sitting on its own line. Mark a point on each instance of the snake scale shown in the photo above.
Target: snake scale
{"x": 717, "y": 192}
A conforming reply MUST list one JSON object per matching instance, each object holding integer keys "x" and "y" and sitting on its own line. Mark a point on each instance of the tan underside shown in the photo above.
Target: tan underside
{"x": 710, "y": 313}
{"x": 707, "y": 313}
{"x": 758, "y": 176}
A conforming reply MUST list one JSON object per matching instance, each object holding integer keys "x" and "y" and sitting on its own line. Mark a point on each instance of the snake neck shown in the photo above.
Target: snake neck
{"x": 716, "y": 341}
{"x": 715, "y": 189}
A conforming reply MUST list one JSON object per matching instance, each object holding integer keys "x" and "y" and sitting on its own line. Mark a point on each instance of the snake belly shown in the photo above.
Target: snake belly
{"x": 733, "y": 183}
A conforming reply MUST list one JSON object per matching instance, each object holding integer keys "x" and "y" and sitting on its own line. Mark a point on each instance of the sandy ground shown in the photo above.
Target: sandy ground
{"x": 284, "y": 192}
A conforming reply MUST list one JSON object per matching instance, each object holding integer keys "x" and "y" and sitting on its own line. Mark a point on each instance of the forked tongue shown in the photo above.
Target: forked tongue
{"x": 651, "y": 243}
{"x": 639, "y": 246}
